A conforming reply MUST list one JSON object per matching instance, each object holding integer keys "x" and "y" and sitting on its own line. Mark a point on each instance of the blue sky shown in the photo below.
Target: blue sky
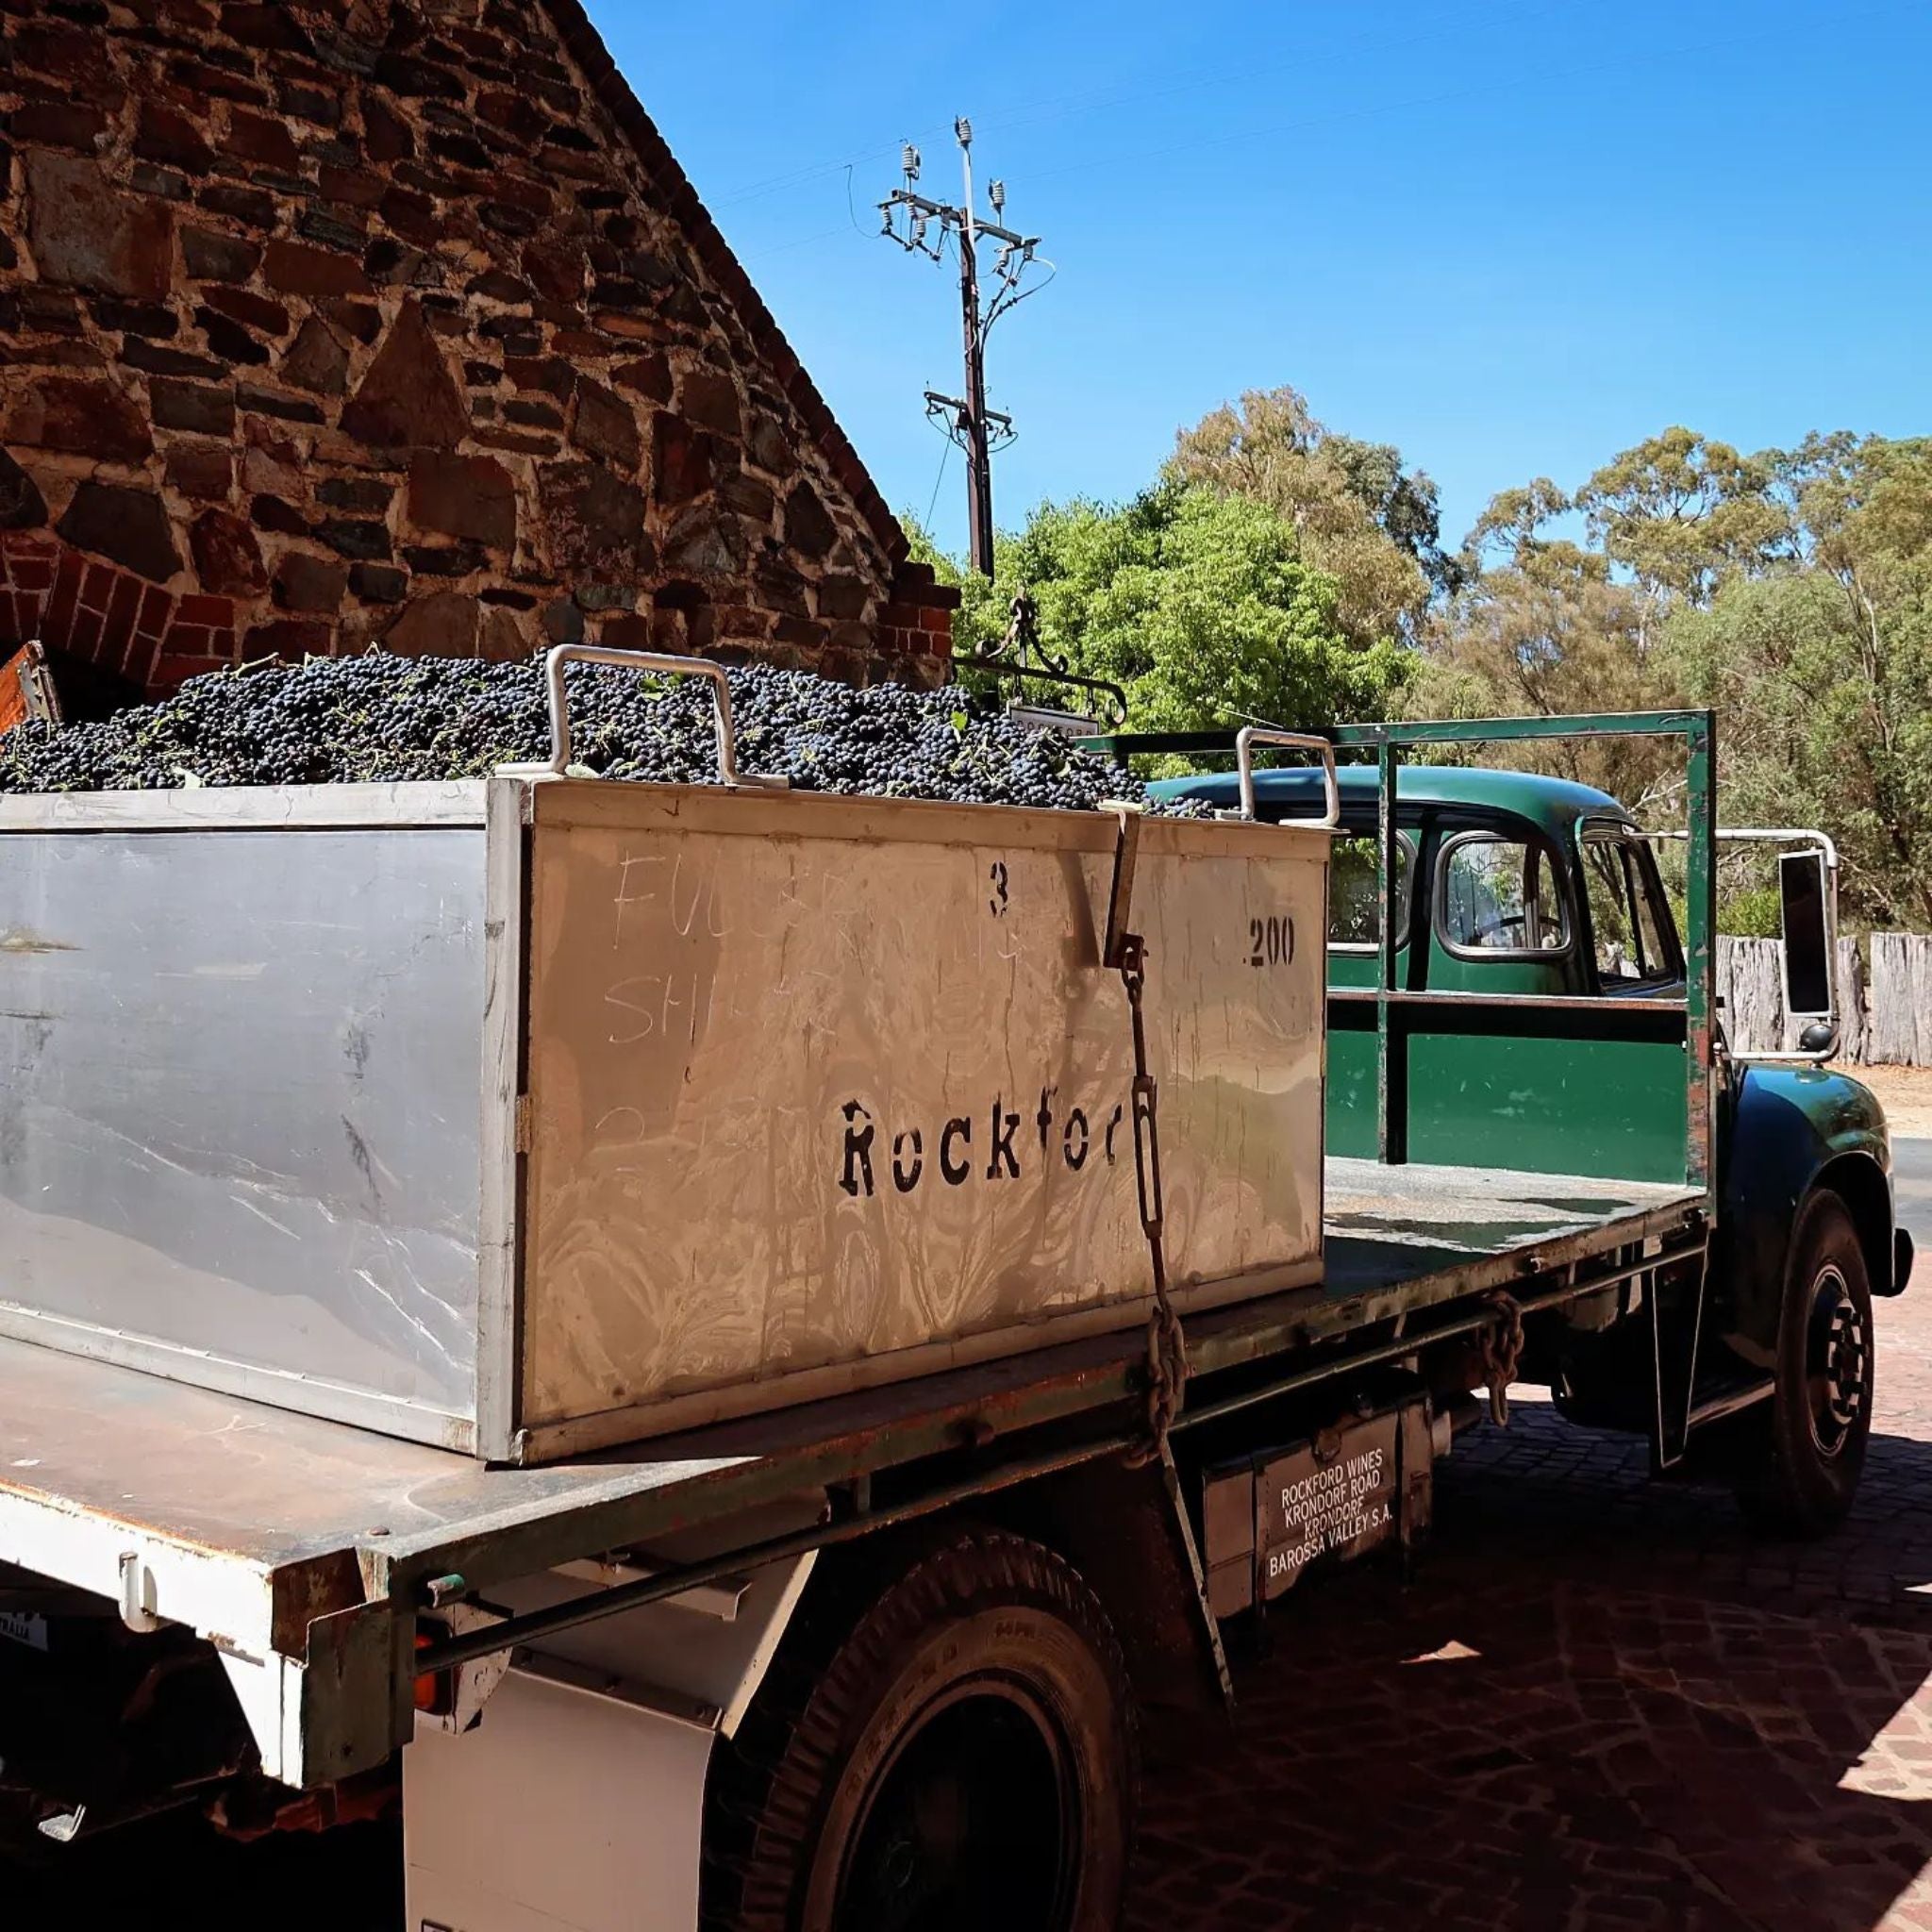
{"x": 1510, "y": 236}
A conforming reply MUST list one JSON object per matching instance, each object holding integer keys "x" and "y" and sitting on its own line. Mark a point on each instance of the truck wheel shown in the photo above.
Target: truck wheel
{"x": 1803, "y": 1472}
{"x": 959, "y": 1754}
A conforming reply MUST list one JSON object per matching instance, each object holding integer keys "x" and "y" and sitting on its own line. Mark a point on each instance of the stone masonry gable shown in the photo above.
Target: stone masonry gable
{"x": 348, "y": 322}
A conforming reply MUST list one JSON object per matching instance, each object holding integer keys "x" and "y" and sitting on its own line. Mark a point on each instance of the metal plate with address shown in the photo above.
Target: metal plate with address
{"x": 1335, "y": 1496}
{"x": 1269, "y": 1518}
{"x": 24, "y": 1627}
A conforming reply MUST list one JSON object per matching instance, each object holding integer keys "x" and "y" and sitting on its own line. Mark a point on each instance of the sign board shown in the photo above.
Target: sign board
{"x": 24, "y": 1627}
{"x": 1332, "y": 1496}
{"x": 1271, "y": 1518}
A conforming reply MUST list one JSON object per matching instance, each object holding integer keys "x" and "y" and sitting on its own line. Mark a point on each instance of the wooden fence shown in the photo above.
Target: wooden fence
{"x": 1885, "y": 1007}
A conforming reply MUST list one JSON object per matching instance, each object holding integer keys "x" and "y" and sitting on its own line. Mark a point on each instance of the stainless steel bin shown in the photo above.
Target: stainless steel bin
{"x": 532, "y": 1115}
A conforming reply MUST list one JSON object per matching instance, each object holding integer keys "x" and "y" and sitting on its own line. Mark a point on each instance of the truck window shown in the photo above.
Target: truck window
{"x": 1499, "y": 895}
{"x": 1625, "y": 923}
{"x": 1352, "y": 907}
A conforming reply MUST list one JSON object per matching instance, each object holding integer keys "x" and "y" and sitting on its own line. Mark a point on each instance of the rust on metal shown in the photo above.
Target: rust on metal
{"x": 26, "y": 689}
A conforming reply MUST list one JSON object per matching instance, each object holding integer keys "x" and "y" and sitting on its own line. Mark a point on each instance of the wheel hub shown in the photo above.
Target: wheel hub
{"x": 972, "y": 1823}
{"x": 1839, "y": 1361}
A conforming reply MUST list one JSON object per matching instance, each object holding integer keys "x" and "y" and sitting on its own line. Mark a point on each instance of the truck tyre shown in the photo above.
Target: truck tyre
{"x": 1801, "y": 1473}
{"x": 949, "y": 1747}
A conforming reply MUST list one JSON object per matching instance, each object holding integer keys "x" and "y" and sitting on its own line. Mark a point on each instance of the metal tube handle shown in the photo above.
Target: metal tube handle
{"x": 728, "y": 774}
{"x": 1249, "y": 736}
{"x": 1799, "y": 840}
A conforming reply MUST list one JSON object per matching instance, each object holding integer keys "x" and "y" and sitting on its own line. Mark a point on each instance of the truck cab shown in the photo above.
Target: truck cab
{"x": 1509, "y": 885}
{"x": 1545, "y": 897}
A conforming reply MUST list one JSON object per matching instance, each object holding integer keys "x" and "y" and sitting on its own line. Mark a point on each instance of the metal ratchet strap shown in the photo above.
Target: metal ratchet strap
{"x": 1502, "y": 1354}
{"x": 1167, "y": 1345}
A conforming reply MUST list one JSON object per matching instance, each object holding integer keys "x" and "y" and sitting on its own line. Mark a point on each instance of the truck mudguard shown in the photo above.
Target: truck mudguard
{"x": 1793, "y": 1128}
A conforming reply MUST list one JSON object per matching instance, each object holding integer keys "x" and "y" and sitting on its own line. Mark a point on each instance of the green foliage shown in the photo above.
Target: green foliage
{"x": 1790, "y": 589}
{"x": 1358, "y": 514}
{"x": 1755, "y": 913}
{"x": 1823, "y": 681}
{"x": 1682, "y": 513}
{"x": 1281, "y": 570}
{"x": 1542, "y": 630}
{"x": 1197, "y": 604}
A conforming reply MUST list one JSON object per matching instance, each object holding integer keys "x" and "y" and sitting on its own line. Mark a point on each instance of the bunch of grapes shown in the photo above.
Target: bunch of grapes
{"x": 334, "y": 721}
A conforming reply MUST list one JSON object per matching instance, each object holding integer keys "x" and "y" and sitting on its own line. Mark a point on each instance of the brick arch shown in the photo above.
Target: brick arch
{"x": 90, "y": 611}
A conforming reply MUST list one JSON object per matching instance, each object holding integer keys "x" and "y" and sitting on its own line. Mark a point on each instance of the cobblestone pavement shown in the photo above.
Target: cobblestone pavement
{"x": 1600, "y": 1705}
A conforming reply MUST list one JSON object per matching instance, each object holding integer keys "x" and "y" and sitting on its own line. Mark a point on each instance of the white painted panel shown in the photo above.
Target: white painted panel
{"x": 562, "y": 1811}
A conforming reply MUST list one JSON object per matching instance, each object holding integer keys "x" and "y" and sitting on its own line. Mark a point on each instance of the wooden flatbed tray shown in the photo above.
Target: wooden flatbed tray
{"x": 253, "y": 1519}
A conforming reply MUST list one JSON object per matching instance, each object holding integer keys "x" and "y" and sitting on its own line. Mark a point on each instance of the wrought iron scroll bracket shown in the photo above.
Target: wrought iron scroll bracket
{"x": 1021, "y": 656}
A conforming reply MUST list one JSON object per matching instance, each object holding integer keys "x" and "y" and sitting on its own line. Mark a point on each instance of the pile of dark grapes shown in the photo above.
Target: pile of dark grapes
{"x": 333, "y": 721}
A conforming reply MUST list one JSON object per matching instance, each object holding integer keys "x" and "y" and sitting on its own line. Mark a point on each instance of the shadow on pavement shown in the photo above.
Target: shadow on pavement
{"x": 176, "y": 1874}
{"x": 1601, "y": 1704}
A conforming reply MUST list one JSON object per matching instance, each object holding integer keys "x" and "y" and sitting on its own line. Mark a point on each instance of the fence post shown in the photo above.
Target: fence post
{"x": 1851, "y": 1004}
{"x": 1891, "y": 1029}
{"x": 1752, "y": 986}
{"x": 1919, "y": 955}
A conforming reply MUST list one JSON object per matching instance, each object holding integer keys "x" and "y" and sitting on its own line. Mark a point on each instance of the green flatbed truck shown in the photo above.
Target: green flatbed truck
{"x": 878, "y": 1657}
{"x": 1545, "y": 897}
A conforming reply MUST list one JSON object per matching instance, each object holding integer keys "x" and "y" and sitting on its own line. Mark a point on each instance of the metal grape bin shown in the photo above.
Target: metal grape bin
{"x": 536, "y": 1114}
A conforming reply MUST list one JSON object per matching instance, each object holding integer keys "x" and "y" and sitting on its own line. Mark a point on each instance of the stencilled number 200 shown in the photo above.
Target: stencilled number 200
{"x": 1271, "y": 942}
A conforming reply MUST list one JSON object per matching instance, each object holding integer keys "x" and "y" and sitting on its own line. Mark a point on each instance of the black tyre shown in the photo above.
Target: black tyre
{"x": 951, "y": 1749}
{"x": 1802, "y": 1469}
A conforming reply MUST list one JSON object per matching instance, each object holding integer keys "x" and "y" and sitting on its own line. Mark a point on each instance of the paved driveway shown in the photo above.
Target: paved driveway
{"x": 1601, "y": 1705}
{"x": 1911, "y": 1163}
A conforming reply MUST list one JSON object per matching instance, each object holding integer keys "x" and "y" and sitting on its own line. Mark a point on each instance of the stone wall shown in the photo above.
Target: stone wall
{"x": 344, "y": 322}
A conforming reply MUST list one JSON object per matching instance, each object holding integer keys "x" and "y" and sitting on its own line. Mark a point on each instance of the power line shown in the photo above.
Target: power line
{"x": 975, "y": 428}
{"x": 945, "y": 456}
{"x": 1094, "y": 101}
{"x": 1649, "y": 56}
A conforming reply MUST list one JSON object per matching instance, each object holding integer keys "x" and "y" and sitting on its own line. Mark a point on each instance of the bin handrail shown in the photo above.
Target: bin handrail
{"x": 664, "y": 665}
{"x": 1249, "y": 736}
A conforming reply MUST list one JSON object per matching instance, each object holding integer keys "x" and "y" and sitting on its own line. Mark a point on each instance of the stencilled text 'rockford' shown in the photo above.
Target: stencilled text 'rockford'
{"x": 1071, "y": 1140}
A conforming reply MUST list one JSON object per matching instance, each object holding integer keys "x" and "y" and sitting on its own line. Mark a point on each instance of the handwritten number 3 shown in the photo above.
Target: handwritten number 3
{"x": 999, "y": 900}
